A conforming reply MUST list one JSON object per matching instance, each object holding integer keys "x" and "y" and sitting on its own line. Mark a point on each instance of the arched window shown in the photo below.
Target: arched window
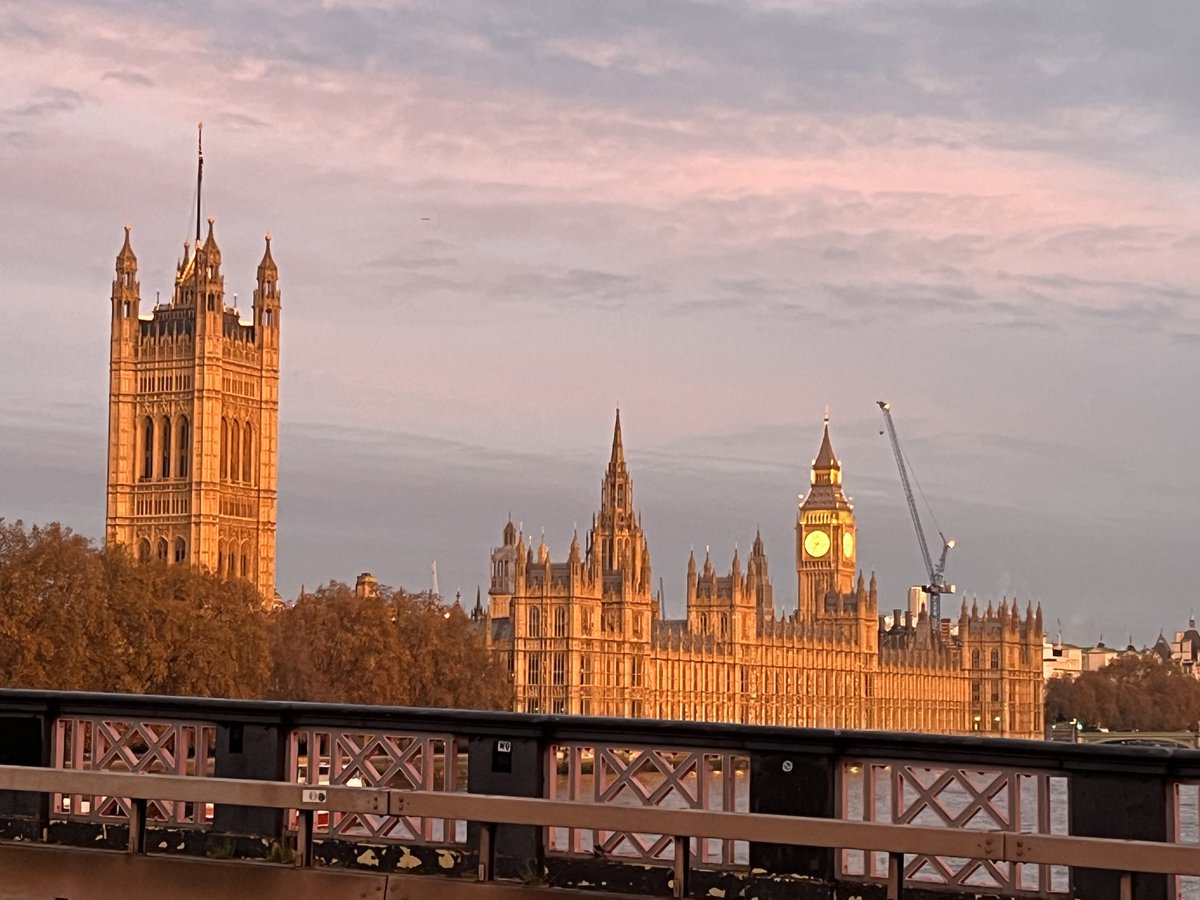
{"x": 163, "y": 550}
{"x": 166, "y": 447}
{"x": 235, "y": 450}
{"x": 221, "y": 558}
{"x": 246, "y": 560}
{"x": 535, "y": 622}
{"x": 247, "y": 451}
{"x": 224, "y": 449}
{"x": 974, "y": 659}
{"x": 995, "y": 659}
{"x": 704, "y": 623}
{"x": 184, "y": 439}
{"x": 144, "y": 550}
{"x": 724, "y": 625}
{"x": 560, "y": 621}
{"x": 180, "y": 550}
{"x": 148, "y": 448}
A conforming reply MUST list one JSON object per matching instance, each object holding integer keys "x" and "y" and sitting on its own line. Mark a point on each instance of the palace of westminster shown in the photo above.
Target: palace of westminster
{"x": 192, "y": 451}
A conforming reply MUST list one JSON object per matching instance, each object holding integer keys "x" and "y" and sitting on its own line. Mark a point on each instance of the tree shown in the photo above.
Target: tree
{"x": 74, "y": 617}
{"x": 394, "y": 648}
{"x": 1135, "y": 692}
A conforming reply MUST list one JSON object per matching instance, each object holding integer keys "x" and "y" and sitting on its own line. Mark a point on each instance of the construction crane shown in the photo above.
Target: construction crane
{"x": 936, "y": 585}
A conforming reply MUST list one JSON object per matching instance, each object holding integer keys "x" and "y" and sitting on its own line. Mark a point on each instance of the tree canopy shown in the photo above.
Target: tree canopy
{"x": 77, "y": 617}
{"x": 1134, "y": 692}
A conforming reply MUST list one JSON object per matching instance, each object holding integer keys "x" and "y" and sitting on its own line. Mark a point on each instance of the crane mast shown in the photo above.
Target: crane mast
{"x": 936, "y": 585}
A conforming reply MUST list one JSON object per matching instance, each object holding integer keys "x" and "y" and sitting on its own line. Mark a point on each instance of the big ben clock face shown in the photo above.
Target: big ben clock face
{"x": 847, "y": 545}
{"x": 816, "y": 543}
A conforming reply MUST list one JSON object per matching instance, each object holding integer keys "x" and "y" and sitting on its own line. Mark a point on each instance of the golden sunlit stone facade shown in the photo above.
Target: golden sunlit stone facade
{"x": 193, "y": 419}
{"x": 587, "y": 635}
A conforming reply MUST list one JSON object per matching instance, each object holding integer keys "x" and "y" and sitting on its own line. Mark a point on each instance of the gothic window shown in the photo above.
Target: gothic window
{"x": 560, "y": 706}
{"x": 184, "y": 439}
{"x": 535, "y": 622}
{"x": 995, "y": 692}
{"x": 704, "y": 623}
{"x": 976, "y": 692}
{"x": 585, "y": 669}
{"x": 560, "y": 668}
{"x": 587, "y": 623}
{"x": 533, "y": 668}
{"x": 560, "y": 621}
{"x": 724, "y": 626}
{"x": 125, "y": 310}
{"x": 268, "y": 317}
{"x": 995, "y": 659}
{"x": 974, "y": 659}
{"x": 144, "y": 550}
{"x": 637, "y": 671}
{"x": 221, "y": 558}
{"x": 180, "y": 550}
{"x": 224, "y": 449}
{"x": 247, "y": 447}
{"x": 162, "y": 548}
{"x": 235, "y": 450}
{"x": 245, "y": 565}
{"x": 148, "y": 448}
{"x": 166, "y": 447}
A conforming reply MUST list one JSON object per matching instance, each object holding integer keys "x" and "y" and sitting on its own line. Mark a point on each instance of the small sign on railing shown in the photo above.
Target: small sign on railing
{"x": 502, "y": 756}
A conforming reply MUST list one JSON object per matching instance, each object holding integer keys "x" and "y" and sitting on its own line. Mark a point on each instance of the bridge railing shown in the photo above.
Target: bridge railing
{"x": 954, "y": 786}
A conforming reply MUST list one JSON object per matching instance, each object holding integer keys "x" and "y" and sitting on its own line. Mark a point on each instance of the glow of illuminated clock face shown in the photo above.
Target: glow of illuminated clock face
{"x": 847, "y": 545}
{"x": 816, "y": 543}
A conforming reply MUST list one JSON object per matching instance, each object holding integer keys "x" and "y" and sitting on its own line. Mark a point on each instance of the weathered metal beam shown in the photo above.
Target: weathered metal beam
{"x": 280, "y": 795}
{"x": 701, "y": 823}
{"x": 1103, "y": 853}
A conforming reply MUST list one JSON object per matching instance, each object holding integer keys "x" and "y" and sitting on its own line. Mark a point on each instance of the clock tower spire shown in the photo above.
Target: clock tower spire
{"x": 825, "y": 534}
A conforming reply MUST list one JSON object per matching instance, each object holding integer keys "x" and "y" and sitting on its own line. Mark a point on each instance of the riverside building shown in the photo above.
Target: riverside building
{"x": 587, "y": 635}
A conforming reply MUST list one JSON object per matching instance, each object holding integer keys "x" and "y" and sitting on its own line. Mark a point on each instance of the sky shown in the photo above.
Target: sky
{"x": 497, "y": 222}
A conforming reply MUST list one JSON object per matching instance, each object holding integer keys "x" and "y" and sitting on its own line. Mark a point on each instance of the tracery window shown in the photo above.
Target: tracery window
{"x": 248, "y": 443}
{"x": 535, "y": 622}
{"x": 235, "y": 450}
{"x": 163, "y": 550}
{"x": 224, "y": 449}
{"x": 995, "y": 659}
{"x": 184, "y": 439}
{"x": 166, "y": 447}
{"x": 180, "y": 550}
{"x": 148, "y": 448}
{"x": 560, "y": 621}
